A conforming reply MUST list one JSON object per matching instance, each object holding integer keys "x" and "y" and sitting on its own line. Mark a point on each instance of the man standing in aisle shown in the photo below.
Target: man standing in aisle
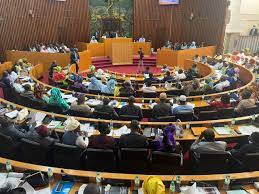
{"x": 75, "y": 58}
{"x": 141, "y": 64}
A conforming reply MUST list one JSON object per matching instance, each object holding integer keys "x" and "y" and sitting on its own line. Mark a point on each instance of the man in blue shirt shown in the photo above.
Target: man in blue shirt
{"x": 182, "y": 107}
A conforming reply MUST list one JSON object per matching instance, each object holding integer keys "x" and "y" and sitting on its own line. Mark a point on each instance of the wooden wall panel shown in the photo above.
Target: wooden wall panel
{"x": 53, "y": 21}
{"x": 161, "y": 23}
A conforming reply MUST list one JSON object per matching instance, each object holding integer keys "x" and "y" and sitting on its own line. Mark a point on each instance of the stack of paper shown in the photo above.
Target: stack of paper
{"x": 71, "y": 100}
{"x": 223, "y": 130}
{"x": 53, "y": 124}
{"x": 139, "y": 105}
{"x": 248, "y": 129}
{"x": 93, "y": 102}
{"x": 87, "y": 128}
{"x": 121, "y": 131}
{"x": 12, "y": 114}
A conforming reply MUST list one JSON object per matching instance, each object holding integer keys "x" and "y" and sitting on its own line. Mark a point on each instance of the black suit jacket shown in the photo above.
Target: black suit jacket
{"x": 133, "y": 140}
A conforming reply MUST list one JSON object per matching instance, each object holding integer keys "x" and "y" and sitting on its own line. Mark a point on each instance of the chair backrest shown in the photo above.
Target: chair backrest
{"x": 251, "y": 162}
{"x": 67, "y": 156}
{"x": 196, "y": 93}
{"x": 226, "y": 113}
{"x": 7, "y": 146}
{"x": 216, "y": 162}
{"x": 208, "y": 115}
{"x": 166, "y": 119}
{"x": 102, "y": 115}
{"x": 77, "y": 113}
{"x": 54, "y": 109}
{"x": 129, "y": 118}
{"x": 163, "y": 162}
{"x": 33, "y": 152}
{"x": 134, "y": 160}
{"x": 149, "y": 95}
{"x": 96, "y": 92}
{"x": 175, "y": 92}
{"x": 103, "y": 160}
{"x": 185, "y": 116}
{"x": 250, "y": 111}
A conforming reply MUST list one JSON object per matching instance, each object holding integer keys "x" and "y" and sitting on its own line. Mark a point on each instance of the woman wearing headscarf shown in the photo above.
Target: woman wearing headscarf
{"x": 194, "y": 87}
{"x": 109, "y": 87}
{"x": 167, "y": 143}
{"x": 73, "y": 136}
{"x": 58, "y": 75}
{"x": 95, "y": 84}
{"x": 57, "y": 100}
{"x": 79, "y": 85}
{"x": 39, "y": 91}
{"x": 208, "y": 86}
{"x": 127, "y": 89}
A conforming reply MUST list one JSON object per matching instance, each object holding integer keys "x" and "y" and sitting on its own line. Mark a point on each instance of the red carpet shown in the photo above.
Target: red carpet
{"x": 130, "y": 69}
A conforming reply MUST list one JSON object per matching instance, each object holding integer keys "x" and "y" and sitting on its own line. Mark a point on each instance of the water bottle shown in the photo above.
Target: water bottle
{"x": 227, "y": 182}
{"x": 172, "y": 187}
{"x": 142, "y": 100}
{"x": 233, "y": 122}
{"x": 50, "y": 175}
{"x": 178, "y": 184}
{"x": 98, "y": 179}
{"x": 137, "y": 183}
{"x": 111, "y": 125}
{"x": 8, "y": 166}
{"x": 150, "y": 103}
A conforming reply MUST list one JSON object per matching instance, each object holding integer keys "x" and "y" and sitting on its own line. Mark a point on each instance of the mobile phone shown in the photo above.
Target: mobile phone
{"x": 59, "y": 187}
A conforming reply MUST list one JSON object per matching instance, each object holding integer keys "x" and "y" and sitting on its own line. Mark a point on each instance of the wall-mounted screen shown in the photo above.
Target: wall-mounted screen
{"x": 168, "y": 2}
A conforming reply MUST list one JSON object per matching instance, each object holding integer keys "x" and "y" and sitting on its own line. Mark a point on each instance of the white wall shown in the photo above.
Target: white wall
{"x": 244, "y": 14}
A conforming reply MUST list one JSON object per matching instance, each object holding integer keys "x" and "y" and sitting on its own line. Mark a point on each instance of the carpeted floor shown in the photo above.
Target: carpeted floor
{"x": 130, "y": 69}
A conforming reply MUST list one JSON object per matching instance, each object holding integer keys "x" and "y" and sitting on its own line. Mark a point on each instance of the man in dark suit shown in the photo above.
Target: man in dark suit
{"x": 134, "y": 139}
{"x": 162, "y": 109}
{"x": 74, "y": 58}
{"x": 252, "y": 147}
{"x": 106, "y": 108}
{"x": 131, "y": 109}
{"x": 253, "y": 31}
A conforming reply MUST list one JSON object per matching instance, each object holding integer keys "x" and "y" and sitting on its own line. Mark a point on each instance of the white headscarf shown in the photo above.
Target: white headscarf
{"x": 71, "y": 124}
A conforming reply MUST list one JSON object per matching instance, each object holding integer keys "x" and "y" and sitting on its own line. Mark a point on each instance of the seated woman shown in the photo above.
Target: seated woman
{"x": 208, "y": 86}
{"x": 56, "y": 99}
{"x": 167, "y": 143}
{"x": 194, "y": 87}
{"x": 59, "y": 75}
{"x": 78, "y": 85}
{"x": 102, "y": 141}
{"x": 95, "y": 84}
{"x": 109, "y": 87}
{"x": 223, "y": 103}
{"x": 39, "y": 91}
{"x": 127, "y": 89}
{"x": 148, "y": 88}
{"x": 6, "y": 79}
{"x": 28, "y": 91}
{"x": 80, "y": 105}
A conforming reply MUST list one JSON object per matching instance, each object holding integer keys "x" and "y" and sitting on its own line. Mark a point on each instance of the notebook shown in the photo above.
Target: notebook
{"x": 223, "y": 130}
{"x": 198, "y": 130}
{"x": 12, "y": 114}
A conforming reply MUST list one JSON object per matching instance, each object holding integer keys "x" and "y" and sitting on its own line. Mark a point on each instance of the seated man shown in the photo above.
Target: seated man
{"x": 206, "y": 143}
{"x": 9, "y": 129}
{"x": 73, "y": 135}
{"x": 180, "y": 75}
{"x": 168, "y": 77}
{"x": 134, "y": 139}
{"x": 44, "y": 136}
{"x": 102, "y": 141}
{"x": 245, "y": 102}
{"x": 148, "y": 88}
{"x": 151, "y": 79}
{"x": 162, "y": 109}
{"x": 106, "y": 108}
{"x": 28, "y": 91}
{"x": 131, "y": 109}
{"x": 182, "y": 107}
{"x": 80, "y": 105}
{"x": 252, "y": 147}
{"x": 224, "y": 83}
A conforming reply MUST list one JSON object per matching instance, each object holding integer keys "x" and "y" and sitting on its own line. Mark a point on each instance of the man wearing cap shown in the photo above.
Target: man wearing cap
{"x": 134, "y": 139}
{"x": 44, "y": 136}
{"x": 72, "y": 136}
{"x": 131, "y": 109}
{"x": 182, "y": 107}
{"x": 162, "y": 109}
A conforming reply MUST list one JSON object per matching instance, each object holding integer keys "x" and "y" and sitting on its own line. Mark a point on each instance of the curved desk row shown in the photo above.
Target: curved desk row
{"x": 187, "y": 136}
{"x": 245, "y": 75}
{"x": 131, "y": 177}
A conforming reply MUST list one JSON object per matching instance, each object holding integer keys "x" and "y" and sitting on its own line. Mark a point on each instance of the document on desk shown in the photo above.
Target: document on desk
{"x": 139, "y": 105}
{"x": 223, "y": 130}
{"x": 152, "y": 105}
{"x": 71, "y": 100}
{"x": 237, "y": 192}
{"x": 93, "y": 102}
{"x": 12, "y": 114}
{"x": 14, "y": 179}
{"x": 248, "y": 129}
{"x": 121, "y": 104}
{"x": 53, "y": 124}
{"x": 67, "y": 96}
{"x": 87, "y": 128}
{"x": 121, "y": 131}
{"x": 28, "y": 188}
